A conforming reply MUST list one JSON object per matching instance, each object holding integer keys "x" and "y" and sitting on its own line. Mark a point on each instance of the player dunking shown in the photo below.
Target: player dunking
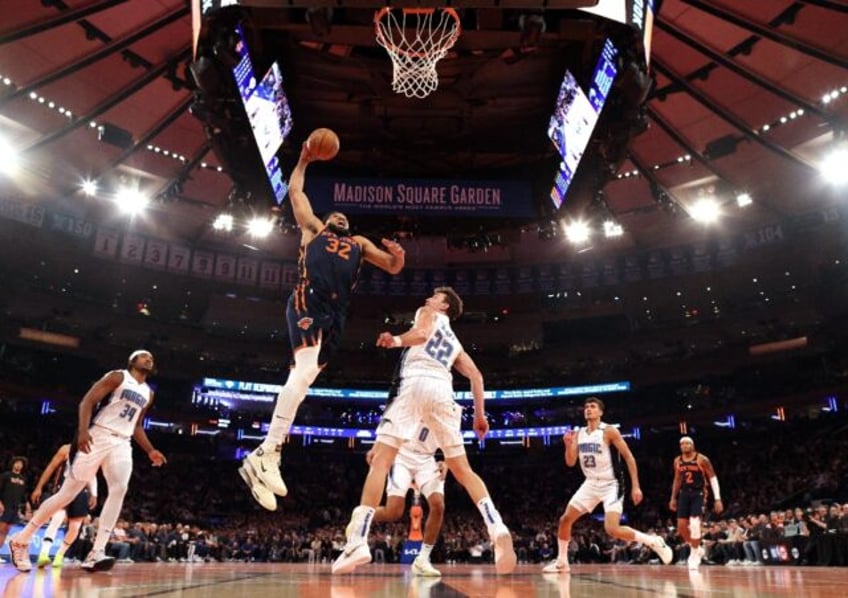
{"x": 689, "y": 493}
{"x": 600, "y": 449}
{"x": 328, "y": 266}
{"x": 415, "y": 466}
{"x": 75, "y": 511}
{"x": 426, "y": 394}
{"x": 103, "y": 441}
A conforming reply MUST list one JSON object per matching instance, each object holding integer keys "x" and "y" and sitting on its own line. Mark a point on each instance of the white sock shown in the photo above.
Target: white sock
{"x": 645, "y": 538}
{"x": 46, "y": 543}
{"x": 301, "y": 377}
{"x": 426, "y": 549}
{"x": 62, "y": 550}
{"x": 282, "y": 419}
{"x": 562, "y": 557}
{"x": 361, "y": 519}
{"x": 490, "y": 513}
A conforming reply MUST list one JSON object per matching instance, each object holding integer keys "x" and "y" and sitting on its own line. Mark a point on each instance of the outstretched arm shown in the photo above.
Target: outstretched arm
{"x": 466, "y": 366}
{"x": 306, "y": 219}
{"x": 392, "y": 260}
{"x": 58, "y": 459}
{"x": 140, "y": 436}
{"x": 425, "y": 321}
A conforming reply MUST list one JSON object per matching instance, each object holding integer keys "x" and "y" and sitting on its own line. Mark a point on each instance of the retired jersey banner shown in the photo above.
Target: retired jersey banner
{"x": 421, "y": 197}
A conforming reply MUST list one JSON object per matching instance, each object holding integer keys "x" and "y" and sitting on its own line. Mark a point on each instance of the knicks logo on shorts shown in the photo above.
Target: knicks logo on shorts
{"x": 304, "y": 323}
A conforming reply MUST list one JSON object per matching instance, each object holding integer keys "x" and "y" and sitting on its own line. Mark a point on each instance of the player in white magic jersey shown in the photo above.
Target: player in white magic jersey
{"x": 426, "y": 395}
{"x": 103, "y": 441}
{"x": 416, "y": 467}
{"x": 600, "y": 449}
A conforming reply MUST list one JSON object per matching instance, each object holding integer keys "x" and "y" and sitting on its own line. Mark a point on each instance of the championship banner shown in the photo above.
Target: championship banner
{"x": 422, "y": 197}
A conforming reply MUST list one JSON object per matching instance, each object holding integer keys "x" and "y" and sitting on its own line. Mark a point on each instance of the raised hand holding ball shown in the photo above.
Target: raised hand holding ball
{"x": 323, "y": 144}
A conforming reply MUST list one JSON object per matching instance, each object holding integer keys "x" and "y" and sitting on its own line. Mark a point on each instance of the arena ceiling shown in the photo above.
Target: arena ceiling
{"x": 748, "y": 97}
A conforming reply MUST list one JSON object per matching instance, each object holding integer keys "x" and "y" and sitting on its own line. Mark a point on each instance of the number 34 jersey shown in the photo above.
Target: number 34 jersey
{"x": 599, "y": 461}
{"x": 120, "y": 411}
{"x": 435, "y": 357}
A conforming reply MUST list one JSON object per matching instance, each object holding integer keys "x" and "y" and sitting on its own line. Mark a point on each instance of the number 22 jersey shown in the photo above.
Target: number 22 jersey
{"x": 435, "y": 357}
{"x": 120, "y": 411}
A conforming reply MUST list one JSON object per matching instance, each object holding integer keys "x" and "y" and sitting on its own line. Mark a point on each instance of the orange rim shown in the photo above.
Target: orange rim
{"x": 413, "y": 11}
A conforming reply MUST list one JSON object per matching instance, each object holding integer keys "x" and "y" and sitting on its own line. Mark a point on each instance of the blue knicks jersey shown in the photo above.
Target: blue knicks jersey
{"x": 329, "y": 266}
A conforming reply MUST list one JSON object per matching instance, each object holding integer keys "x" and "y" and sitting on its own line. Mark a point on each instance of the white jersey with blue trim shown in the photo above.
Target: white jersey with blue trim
{"x": 595, "y": 456}
{"x": 434, "y": 358}
{"x": 119, "y": 412}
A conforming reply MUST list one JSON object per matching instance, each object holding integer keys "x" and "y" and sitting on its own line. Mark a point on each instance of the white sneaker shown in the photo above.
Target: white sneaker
{"x": 424, "y": 568}
{"x": 265, "y": 466}
{"x": 694, "y": 560}
{"x": 20, "y": 555}
{"x": 663, "y": 551}
{"x": 556, "y": 566}
{"x": 350, "y": 558}
{"x": 260, "y": 493}
{"x": 98, "y": 561}
{"x": 505, "y": 558}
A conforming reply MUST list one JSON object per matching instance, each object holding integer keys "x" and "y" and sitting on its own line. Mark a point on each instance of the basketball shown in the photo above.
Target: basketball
{"x": 323, "y": 144}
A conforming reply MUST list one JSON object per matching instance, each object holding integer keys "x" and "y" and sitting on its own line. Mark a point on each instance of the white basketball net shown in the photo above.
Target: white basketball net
{"x": 416, "y": 42}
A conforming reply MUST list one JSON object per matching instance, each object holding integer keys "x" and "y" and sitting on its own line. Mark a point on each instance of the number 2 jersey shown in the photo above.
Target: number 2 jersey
{"x": 434, "y": 358}
{"x": 600, "y": 462}
{"x": 119, "y": 412}
{"x": 692, "y": 476}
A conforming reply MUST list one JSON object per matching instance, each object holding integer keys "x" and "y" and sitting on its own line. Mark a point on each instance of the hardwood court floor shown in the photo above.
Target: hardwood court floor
{"x": 237, "y": 580}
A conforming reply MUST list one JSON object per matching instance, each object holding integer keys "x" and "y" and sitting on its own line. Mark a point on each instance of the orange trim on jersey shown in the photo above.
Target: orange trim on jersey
{"x": 303, "y": 271}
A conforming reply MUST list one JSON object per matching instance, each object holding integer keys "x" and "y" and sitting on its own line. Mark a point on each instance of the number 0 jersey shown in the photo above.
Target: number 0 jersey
{"x": 120, "y": 411}
{"x": 599, "y": 461}
{"x": 434, "y": 358}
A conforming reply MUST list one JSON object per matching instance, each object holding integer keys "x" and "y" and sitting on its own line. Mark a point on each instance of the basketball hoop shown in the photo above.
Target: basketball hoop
{"x": 416, "y": 41}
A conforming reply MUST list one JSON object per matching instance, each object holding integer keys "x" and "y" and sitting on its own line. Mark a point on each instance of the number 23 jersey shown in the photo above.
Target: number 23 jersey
{"x": 435, "y": 357}
{"x": 599, "y": 461}
{"x": 120, "y": 411}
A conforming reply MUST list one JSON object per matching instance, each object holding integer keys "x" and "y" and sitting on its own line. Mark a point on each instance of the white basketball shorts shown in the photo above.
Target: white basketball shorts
{"x": 592, "y": 492}
{"x": 427, "y": 400}
{"x": 418, "y": 468}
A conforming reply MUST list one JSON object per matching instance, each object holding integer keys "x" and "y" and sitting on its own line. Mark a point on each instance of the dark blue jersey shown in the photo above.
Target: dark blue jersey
{"x": 692, "y": 477}
{"x": 12, "y": 490}
{"x": 328, "y": 267}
